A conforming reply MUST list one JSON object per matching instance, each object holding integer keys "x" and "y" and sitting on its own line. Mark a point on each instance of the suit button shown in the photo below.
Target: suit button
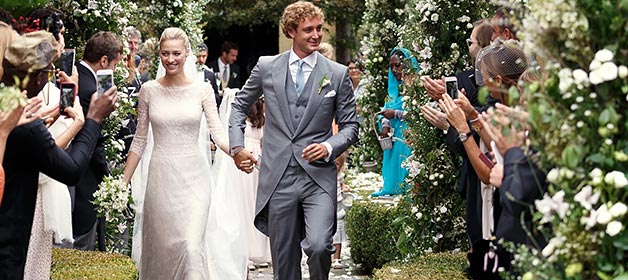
{"x": 296, "y": 117}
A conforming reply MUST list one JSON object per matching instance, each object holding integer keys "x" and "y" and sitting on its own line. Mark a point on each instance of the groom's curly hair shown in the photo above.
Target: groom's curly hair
{"x": 297, "y": 12}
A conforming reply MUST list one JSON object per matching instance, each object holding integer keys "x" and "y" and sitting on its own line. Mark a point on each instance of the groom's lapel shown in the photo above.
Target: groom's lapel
{"x": 320, "y": 70}
{"x": 279, "y": 73}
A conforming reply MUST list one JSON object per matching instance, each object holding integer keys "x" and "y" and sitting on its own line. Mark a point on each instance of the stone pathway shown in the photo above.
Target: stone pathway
{"x": 350, "y": 272}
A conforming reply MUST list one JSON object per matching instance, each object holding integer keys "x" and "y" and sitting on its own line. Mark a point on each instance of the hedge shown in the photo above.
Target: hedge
{"x": 437, "y": 266}
{"x": 75, "y": 264}
{"x": 372, "y": 233}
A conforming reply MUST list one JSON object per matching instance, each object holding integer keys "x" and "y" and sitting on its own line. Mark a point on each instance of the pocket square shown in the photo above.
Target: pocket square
{"x": 331, "y": 93}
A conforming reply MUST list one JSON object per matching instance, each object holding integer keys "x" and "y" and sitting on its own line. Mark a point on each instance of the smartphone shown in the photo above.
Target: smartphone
{"x": 486, "y": 160}
{"x": 65, "y": 63}
{"x": 68, "y": 94}
{"x": 451, "y": 86}
{"x": 104, "y": 80}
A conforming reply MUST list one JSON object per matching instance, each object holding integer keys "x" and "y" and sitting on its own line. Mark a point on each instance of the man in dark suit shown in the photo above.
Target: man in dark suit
{"x": 31, "y": 149}
{"x": 102, "y": 51}
{"x": 201, "y": 58}
{"x": 228, "y": 73}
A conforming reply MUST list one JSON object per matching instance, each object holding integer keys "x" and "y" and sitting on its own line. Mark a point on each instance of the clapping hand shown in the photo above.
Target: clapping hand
{"x": 503, "y": 125}
{"x": 466, "y": 106}
{"x": 435, "y": 88}
{"x": 435, "y": 117}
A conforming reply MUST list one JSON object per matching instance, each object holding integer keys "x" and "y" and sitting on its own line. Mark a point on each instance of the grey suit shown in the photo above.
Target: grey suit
{"x": 296, "y": 200}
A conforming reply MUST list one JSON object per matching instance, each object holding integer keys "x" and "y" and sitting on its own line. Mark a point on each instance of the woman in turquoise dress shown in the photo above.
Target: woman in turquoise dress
{"x": 391, "y": 120}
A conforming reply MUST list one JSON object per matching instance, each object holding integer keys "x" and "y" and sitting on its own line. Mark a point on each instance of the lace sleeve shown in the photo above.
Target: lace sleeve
{"x": 213, "y": 120}
{"x": 139, "y": 141}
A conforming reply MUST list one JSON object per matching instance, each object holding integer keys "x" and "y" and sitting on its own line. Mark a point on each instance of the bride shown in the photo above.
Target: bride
{"x": 177, "y": 197}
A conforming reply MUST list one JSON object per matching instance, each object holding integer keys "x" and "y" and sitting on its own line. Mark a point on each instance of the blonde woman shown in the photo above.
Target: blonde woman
{"x": 177, "y": 198}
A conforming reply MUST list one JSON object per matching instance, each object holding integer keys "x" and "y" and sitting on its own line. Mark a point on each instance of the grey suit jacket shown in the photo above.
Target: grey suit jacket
{"x": 281, "y": 140}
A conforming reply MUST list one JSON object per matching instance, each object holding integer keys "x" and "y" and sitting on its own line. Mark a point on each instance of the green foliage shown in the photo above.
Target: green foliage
{"x": 433, "y": 213}
{"x": 578, "y": 120}
{"x": 373, "y": 234}
{"x": 85, "y": 18}
{"x": 438, "y": 266}
{"x": 75, "y": 264}
{"x": 19, "y": 8}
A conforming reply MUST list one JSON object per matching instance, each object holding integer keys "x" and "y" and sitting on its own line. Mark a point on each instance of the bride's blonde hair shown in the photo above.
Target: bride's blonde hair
{"x": 174, "y": 33}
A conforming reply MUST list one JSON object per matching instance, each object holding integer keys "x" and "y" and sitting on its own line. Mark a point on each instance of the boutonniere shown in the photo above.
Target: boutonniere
{"x": 234, "y": 75}
{"x": 325, "y": 81}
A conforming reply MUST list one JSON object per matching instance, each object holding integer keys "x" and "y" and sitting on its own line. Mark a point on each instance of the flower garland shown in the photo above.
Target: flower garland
{"x": 380, "y": 23}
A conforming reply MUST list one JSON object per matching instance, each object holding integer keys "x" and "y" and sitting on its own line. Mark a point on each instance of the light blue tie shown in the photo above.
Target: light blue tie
{"x": 299, "y": 79}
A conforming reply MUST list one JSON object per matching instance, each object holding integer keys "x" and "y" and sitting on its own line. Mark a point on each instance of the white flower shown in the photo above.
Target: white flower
{"x": 567, "y": 173}
{"x": 619, "y": 209}
{"x": 595, "y": 64}
{"x": 418, "y": 215}
{"x": 608, "y": 71}
{"x": 580, "y": 76}
{"x": 589, "y": 221}
{"x": 552, "y": 176}
{"x": 586, "y": 197}
{"x": 415, "y": 209}
{"x": 464, "y": 18}
{"x": 613, "y": 228}
{"x": 549, "y": 249}
{"x": 622, "y": 71}
{"x": 434, "y": 17}
{"x": 603, "y": 215}
{"x": 550, "y": 205}
{"x": 596, "y": 77}
{"x": 604, "y": 55}
{"x": 616, "y": 178}
{"x": 443, "y": 209}
{"x": 469, "y": 25}
{"x": 596, "y": 176}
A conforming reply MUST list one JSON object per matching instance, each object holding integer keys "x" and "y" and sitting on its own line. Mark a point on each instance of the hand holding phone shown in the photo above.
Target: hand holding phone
{"x": 451, "y": 87}
{"x": 65, "y": 62}
{"x": 486, "y": 161}
{"x": 68, "y": 94}
{"x": 104, "y": 80}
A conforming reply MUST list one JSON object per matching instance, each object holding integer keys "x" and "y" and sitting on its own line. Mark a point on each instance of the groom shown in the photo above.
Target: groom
{"x": 304, "y": 92}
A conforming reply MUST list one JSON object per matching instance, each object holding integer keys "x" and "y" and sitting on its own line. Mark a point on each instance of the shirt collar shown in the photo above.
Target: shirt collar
{"x": 220, "y": 64}
{"x": 90, "y": 69}
{"x": 309, "y": 60}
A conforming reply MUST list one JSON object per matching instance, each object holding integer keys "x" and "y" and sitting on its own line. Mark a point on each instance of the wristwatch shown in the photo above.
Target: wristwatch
{"x": 464, "y": 136}
{"x": 235, "y": 150}
{"x": 477, "y": 126}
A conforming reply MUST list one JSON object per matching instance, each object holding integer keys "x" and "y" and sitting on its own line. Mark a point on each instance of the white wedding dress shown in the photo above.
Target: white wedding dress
{"x": 177, "y": 196}
{"x": 233, "y": 239}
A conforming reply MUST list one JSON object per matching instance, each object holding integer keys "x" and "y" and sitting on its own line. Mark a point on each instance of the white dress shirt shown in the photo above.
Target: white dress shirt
{"x": 221, "y": 68}
{"x": 308, "y": 66}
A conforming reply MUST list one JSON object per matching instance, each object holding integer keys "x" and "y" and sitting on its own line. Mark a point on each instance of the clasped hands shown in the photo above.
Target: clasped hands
{"x": 245, "y": 161}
